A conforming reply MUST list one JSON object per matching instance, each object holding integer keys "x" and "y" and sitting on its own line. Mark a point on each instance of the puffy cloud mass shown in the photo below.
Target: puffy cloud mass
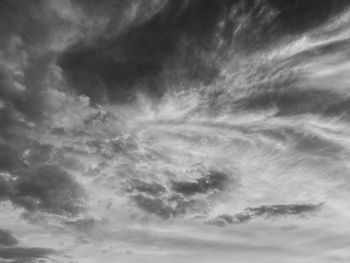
{"x": 47, "y": 188}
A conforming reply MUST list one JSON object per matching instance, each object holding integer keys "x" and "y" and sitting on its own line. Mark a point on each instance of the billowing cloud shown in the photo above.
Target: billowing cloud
{"x": 46, "y": 188}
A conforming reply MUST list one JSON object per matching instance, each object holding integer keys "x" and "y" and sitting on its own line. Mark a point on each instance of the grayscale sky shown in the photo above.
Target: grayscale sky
{"x": 168, "y": 131}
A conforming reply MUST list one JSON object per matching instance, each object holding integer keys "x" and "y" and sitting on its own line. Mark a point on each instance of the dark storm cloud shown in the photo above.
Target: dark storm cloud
{"x": 299, "y": 15}
{"x": 49, "y": 189}
{"x": 8, "y": 158}
{"x": 25, "y": 32}
{"x": 114, "y": 60}
{"x": 213, "y": 181}
{"x": 186, "y": 39}
{"x": 31, "y": 90}
{"x": 265, "y": 212}
{"x": 24, "y": 254}
{"x": 10, "y": 251}
{"x": 178, "y": 39}
{"x": 138, "y": 56}
{"x": 6, "y": 239}
{"x": 6, "y": 189}
{"x": 118, "y": 15}
{"x": 26, "y": 76}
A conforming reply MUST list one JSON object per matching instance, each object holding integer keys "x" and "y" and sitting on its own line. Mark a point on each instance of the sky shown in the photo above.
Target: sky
{"x": 174, "y": 131}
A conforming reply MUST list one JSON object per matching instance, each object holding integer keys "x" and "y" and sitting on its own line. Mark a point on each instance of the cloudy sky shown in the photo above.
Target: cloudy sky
{"x": 174, "y": 131}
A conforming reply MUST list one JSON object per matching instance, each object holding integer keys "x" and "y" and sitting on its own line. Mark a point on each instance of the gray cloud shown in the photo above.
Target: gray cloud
{"x": 169, "y": 206}
{"x": 180, "y": 198}
{"x": 49, "y": 188}
{"x": 265, "y": 212}
{"x": 213, "y": 181}
{"x": 84, "y": 225}
{"x": 27, "y": 60}
{"x": 24, "y": 254}
{"x": 6, "y": 238}
{"x": 280, "y": 210}
{"x": 152, "y": 188}
{"x": 134, "y": 45}
{"x": 10, "y": 251}
{"x": 31, "y": 90}
{"x": 293, "y": 101}
{"x": 46, "y": 188}
{"x": 136, "y": 58}
{"x": 180, "y": 41}
{"x": 154, "y": 206}
{"x": 9, "y": 159}
{"x": 5, "y": 189}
